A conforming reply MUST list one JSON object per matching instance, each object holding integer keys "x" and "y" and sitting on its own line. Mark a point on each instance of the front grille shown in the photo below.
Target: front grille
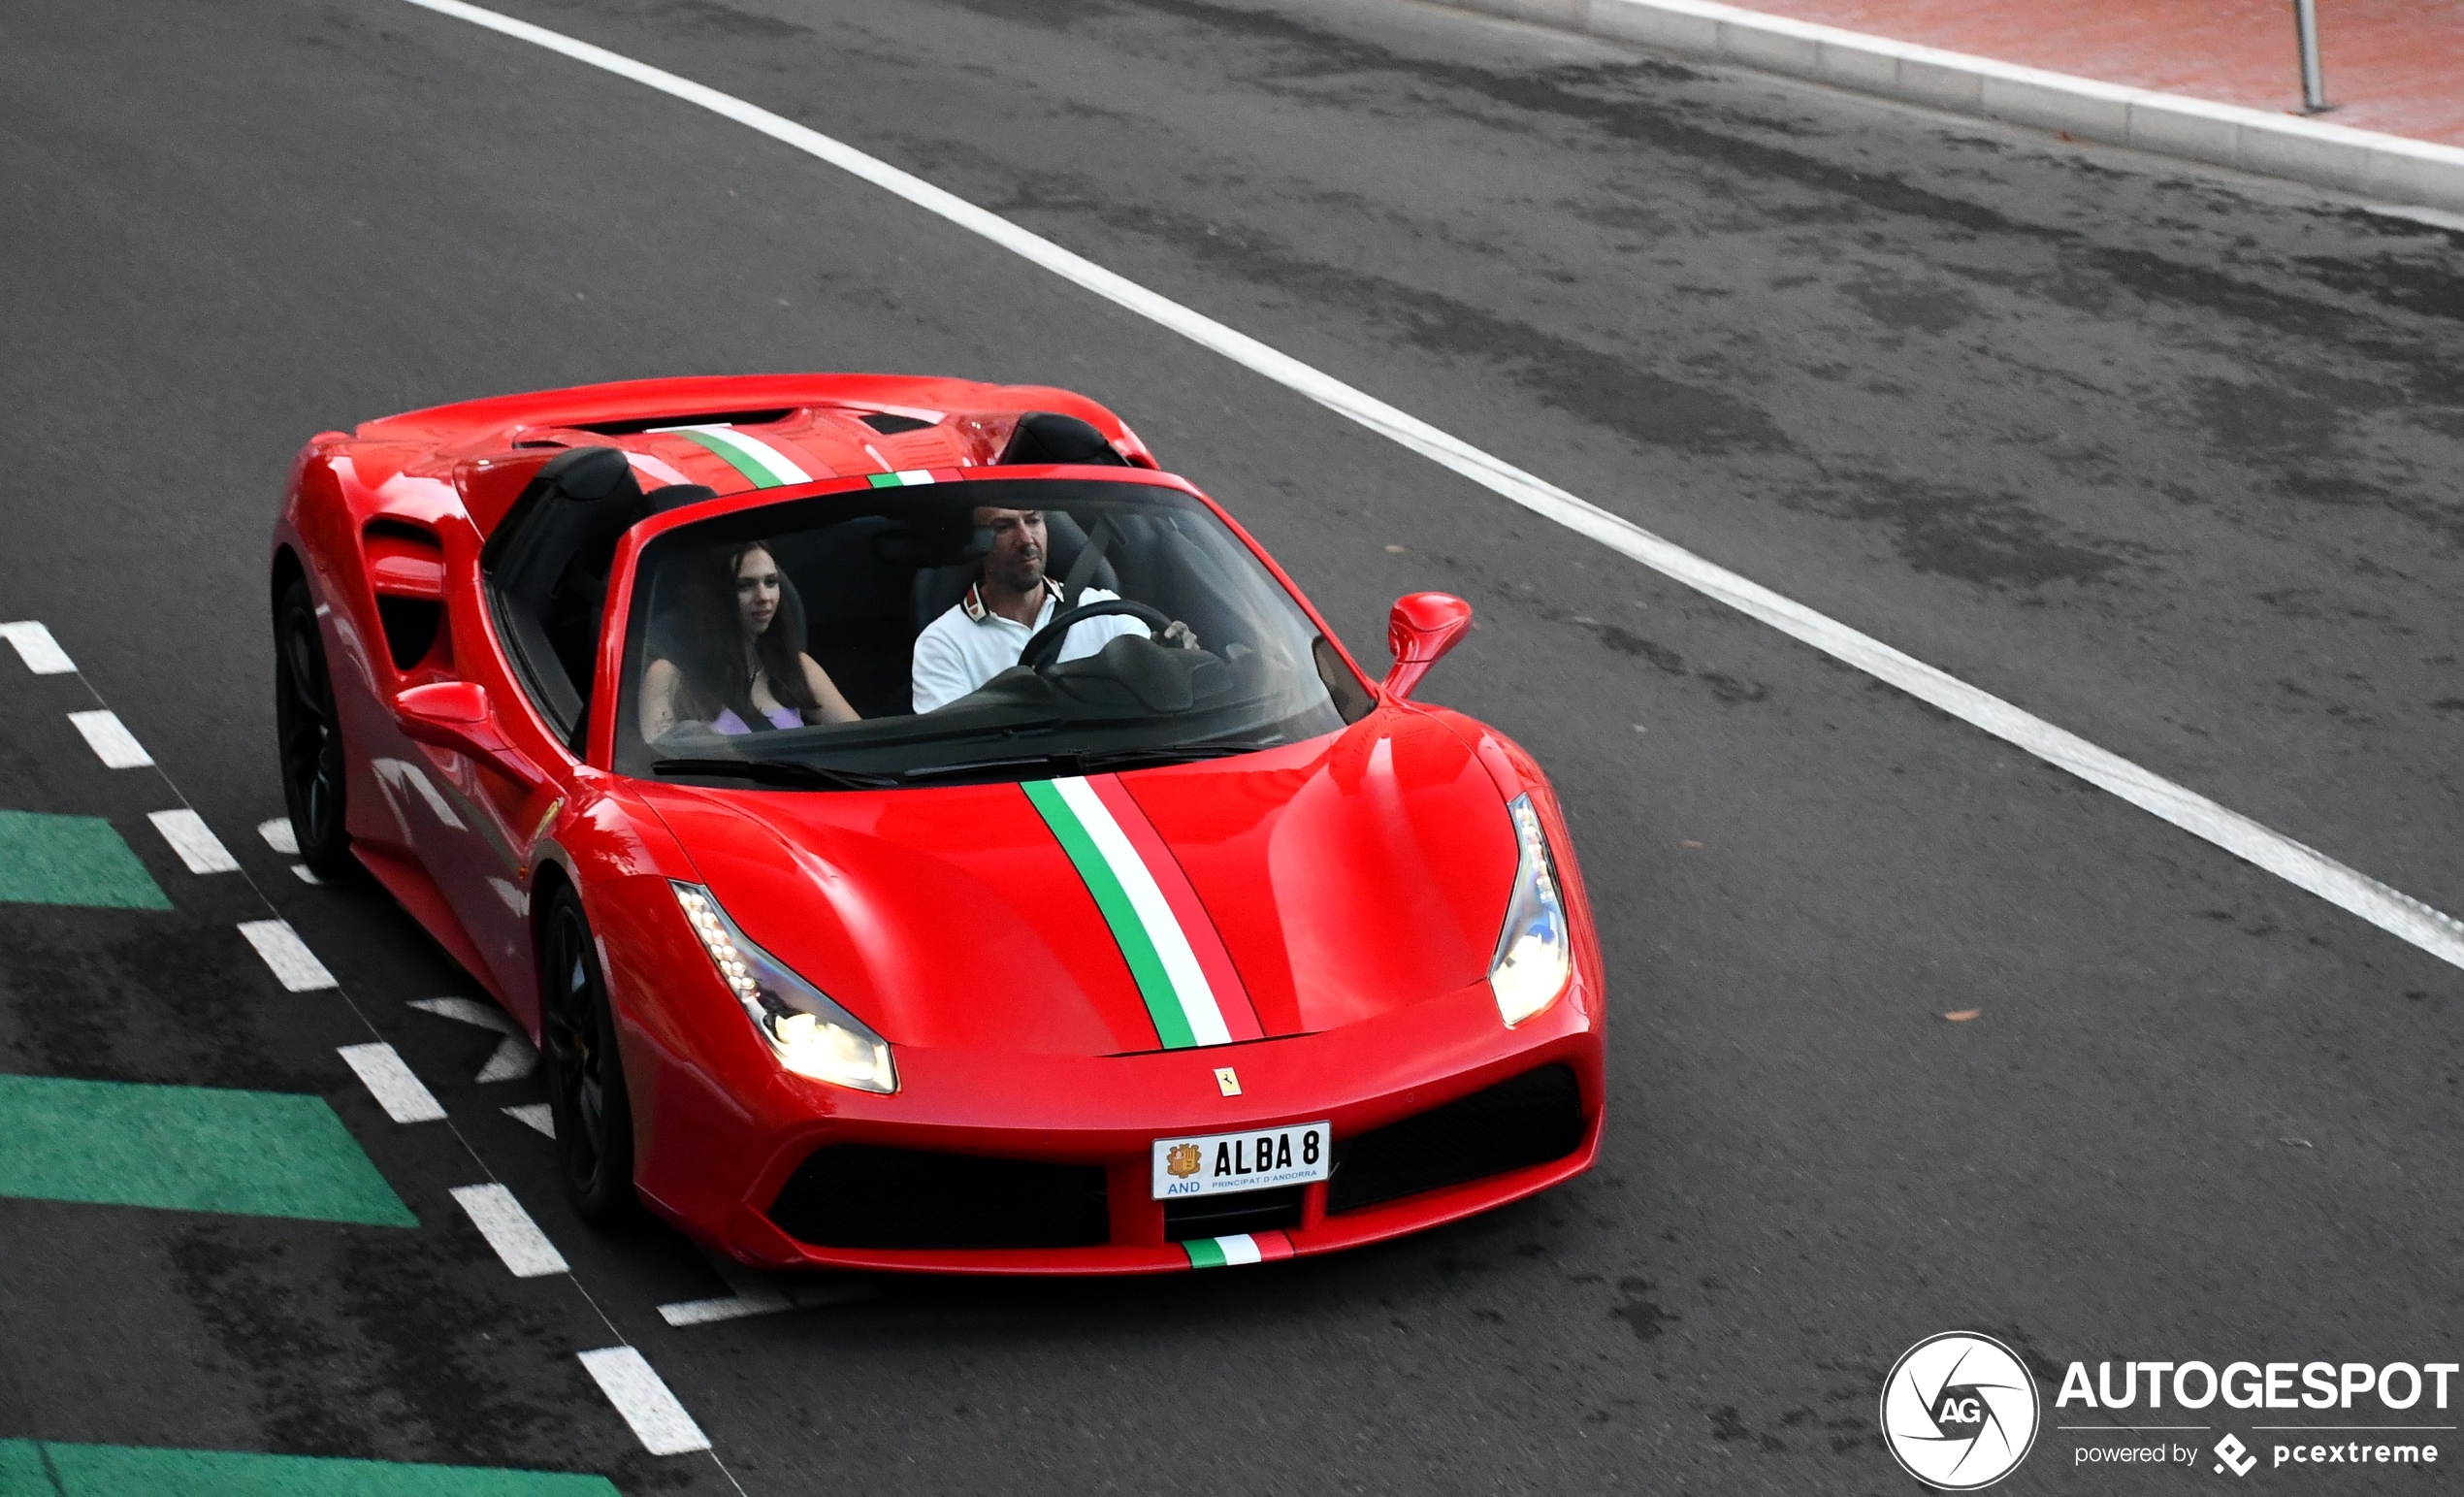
{"x": 1232, "y": 1212}
{"x": 1530, "y": 1120}
{"x": 860, "y": 1195}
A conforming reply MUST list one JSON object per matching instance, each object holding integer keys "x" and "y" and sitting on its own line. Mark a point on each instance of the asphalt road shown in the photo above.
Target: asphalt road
{"x": 2168, "y": 461}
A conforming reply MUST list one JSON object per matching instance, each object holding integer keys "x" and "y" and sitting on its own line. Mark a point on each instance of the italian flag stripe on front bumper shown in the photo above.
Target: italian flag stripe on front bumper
{"x": 1235, "y": 1250}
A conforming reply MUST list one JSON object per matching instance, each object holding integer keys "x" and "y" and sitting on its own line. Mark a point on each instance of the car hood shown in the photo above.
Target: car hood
{"x": 1341, "y": 879}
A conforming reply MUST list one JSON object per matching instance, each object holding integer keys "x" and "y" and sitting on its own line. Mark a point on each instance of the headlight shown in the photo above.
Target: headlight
{"x": 811, "y": 1036}
{"x": 1535, "y": 952}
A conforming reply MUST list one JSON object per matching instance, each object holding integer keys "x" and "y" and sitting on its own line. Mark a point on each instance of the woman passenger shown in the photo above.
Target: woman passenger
{"x": 739, "y": 665}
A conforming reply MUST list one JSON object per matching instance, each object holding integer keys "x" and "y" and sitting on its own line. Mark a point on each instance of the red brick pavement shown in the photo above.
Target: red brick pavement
{"x": 2391, "y": 65}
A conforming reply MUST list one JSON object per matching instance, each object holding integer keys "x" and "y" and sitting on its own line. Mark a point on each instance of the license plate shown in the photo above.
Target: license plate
{"x": 1259, "y": 1159}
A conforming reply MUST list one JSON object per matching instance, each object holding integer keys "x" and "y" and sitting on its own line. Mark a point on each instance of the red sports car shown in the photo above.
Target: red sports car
{"x": 922, "y": 835}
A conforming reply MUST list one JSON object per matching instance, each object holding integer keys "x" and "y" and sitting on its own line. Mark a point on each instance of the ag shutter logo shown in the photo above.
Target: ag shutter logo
{"x": 1958, "y": 1411}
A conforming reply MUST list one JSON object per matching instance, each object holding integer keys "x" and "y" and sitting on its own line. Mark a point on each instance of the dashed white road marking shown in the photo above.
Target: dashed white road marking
{"x": 755, "y": 1293}
{"x": 279, "y": 836}
{"x": 2390, "y": 909}
{"x": 292, "y": 962}
{"x": 306, "y": 874}
{"x": 710, "y": 1312}
{"x": 390, "y": 1079}
{"x": 533, "y": 1115}
{"x": 513, "y": 1058}
{"x": 110, "y": 741}
{"x": 194, "y": 841}
{"x": 636, "y": 1391}
{"x": 749, "y": 1294}
{"x": 40, "y": 652}
{"x": 509, "y": 1230}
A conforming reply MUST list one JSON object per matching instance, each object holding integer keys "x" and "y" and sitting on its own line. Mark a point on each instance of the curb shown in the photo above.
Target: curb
{"x": 2385, "y": 168}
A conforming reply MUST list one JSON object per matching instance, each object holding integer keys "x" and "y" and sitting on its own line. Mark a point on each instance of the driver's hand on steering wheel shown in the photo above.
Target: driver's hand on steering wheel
{"x": 1179, "y": 634}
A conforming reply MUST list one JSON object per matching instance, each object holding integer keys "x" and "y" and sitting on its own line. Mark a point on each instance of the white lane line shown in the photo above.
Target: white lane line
{"x": 306, "y": 874}
{"x": 2390, "y": 909}
{"x": 635, "y": 1387}
{"x": 390, "y": 1079}
{"x": 513, "y": 1058}
{"x": 194, "y": 841}
{"x": 279, "y": 836}
{"x": 509, "y": 1230}
{"x": 710, "y": 1312}
{"x": 756, "y": 1293}
{"x": 40, "y": 652}
{"x": 110, "y": 741}
{"x": 749, "y": 1294}
{"x": 533, "y": 1115}
{"x": 284, "y": 951}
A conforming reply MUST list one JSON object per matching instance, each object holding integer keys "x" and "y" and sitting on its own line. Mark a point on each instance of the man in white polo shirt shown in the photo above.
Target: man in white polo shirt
{"x": 983, "y": 632}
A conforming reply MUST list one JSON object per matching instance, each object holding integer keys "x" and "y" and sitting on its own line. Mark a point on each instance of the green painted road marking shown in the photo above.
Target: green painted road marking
{"x": 22, "y": 1471}
{"x": 260, "y": 1153}
{"x": 48, "y": 1468}
{"x": 71, "y": 860}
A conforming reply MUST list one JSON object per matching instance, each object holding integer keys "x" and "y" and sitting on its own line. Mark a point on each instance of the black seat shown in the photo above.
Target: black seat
{"x": 546, "y": 567}
{"x": 854, "y": 609}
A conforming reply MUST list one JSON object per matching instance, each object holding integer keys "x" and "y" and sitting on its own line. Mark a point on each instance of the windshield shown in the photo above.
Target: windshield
{"x": 950, "y": 633}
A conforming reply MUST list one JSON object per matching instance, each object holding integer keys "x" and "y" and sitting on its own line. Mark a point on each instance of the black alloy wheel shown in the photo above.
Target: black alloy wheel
{"x": 310, "y": 736}
{"x": 584, "y": 1076}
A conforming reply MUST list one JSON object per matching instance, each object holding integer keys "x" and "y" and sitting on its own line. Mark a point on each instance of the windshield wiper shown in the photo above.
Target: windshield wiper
{"x": 1101, "y": 761}
{"x": 1177, "y": 754}
{"x": 778, "y": 771}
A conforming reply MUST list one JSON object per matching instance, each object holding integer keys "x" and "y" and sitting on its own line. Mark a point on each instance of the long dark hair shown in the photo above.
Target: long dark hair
{"x": 711, "y": 651}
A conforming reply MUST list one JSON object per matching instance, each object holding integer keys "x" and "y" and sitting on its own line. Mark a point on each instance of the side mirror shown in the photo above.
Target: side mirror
{"x": 456, "y": 715}
{"x": 1423, "y": 627}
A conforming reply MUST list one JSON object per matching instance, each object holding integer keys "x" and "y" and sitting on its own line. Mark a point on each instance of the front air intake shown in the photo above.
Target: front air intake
{"x": 860, "y": 1195}
{"x": 1533, "y": 1119}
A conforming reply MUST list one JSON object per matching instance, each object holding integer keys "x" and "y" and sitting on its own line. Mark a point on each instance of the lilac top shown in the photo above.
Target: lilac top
{"x": 780, "y": 717}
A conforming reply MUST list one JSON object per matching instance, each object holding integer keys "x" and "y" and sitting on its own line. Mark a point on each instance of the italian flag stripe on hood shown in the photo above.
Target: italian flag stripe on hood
{"x": 1181, "y": 997}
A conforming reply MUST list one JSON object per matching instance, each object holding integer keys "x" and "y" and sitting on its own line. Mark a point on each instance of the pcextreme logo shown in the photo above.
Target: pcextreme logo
{"x": 1958, "y": 1411}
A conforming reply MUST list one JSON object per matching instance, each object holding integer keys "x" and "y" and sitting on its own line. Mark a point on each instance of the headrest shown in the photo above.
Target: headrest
{"x": 675, "y": 496}
{"x": 577, "y": 497}
{"x": 589, "y": 474}
{"x": 1046, "y": 436}
{"x": 934, "y": 540}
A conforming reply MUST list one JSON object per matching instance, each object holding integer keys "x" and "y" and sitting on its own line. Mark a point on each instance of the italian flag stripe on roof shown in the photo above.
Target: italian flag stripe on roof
{"x": 763, "y": 465}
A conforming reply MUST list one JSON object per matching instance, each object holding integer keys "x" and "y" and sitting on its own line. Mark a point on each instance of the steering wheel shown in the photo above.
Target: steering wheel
{"x": 1046, "y": 647}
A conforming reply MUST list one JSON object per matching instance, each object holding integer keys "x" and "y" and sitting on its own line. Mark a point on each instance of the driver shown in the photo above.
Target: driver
{"x": 983, "y": 633}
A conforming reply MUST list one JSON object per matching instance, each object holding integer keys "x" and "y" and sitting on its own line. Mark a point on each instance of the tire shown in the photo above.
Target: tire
{"x": 585, "y": 1072}
{"x": 309, "y": 736}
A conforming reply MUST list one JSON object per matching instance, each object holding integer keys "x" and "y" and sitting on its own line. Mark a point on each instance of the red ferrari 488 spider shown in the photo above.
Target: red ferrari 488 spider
{"x": 921, "y": 834}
